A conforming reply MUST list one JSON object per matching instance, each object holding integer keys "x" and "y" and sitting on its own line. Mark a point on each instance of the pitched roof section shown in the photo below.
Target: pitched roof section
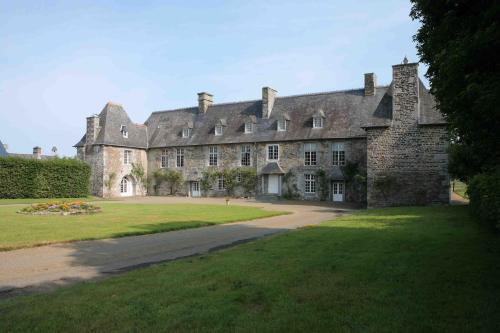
{"x": 110, "y": 120}
{"x": 345, "y": 112}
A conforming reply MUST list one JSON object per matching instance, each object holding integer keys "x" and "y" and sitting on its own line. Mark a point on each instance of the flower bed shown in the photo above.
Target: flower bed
{"x": 60, "y": 208}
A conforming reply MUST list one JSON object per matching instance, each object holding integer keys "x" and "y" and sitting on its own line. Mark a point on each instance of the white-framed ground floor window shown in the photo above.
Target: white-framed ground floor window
{"x": 338, "y": 191}
{"x": 126, "y": 187}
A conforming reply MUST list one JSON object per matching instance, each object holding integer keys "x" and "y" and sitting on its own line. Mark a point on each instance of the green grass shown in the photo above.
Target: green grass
{"x": 460, "y": 188}
{"x": 116, "y": 220}
{"x": 35, "y": 200}
{"x": 391, "y": 270}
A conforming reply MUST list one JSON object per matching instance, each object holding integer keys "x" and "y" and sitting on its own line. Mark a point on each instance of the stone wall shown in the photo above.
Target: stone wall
{"x": 291, "y": 158}
{"x": 411, "y": 158}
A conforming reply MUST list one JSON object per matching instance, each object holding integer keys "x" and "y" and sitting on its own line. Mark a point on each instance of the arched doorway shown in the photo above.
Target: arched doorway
{"x": 127, "y": 187}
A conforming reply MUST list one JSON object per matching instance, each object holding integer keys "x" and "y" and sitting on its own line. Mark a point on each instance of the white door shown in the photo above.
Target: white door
{"x": 195, "y": 189}
{"x": 338, "y": 191}
{"x": 126, "y": 188}
{"x": 273, "y": 184}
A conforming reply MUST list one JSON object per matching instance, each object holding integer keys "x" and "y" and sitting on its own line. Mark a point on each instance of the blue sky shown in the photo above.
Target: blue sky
{"x": 61, "y": 61}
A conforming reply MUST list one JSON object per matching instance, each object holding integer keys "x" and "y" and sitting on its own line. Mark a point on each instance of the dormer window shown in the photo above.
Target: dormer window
{"x": 318, "y": 119}
{"x": 186, "y": 132}
{"x": 317, "y": 122}
{"x": 248, "y": 127}
{"x": 219, "y": 127}
{"x": 123, "y": 130}
{"x": 283, "y": 122}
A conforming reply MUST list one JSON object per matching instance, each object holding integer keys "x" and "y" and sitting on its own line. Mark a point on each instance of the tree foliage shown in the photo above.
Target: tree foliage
{"x": 173, "y": 178}
{"x": 459, "y": 41}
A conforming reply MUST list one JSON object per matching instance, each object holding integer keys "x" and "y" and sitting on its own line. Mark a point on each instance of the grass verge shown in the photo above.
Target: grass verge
{"x": 390, "y": 270}
{"x": 116, "y": 220}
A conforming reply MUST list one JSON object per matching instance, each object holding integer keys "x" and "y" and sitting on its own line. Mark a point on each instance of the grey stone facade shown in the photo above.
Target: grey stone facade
{"x": 392, "y": 133}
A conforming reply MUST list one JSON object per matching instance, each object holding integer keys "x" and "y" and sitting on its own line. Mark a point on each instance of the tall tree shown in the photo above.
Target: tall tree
{"x": 459, "y": 41}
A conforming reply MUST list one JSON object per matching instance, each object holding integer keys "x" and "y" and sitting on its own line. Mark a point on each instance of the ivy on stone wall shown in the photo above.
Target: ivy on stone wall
{"x": 247, "y": 179}
{"x": 172, "y": 177}
{"x": 290, "y": 189}
{"x": 323, "y": 184}
{"x": 54, "y": 178}
{"x": 139, "y": 174}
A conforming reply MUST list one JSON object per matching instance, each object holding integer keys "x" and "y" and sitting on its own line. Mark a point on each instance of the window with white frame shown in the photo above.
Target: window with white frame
{"x": 164, "y": 159}
{"x": 220, "y": 183}
{"x": 310, "y": 154}
{"x": 123, "y": 185}
{"x": 123, "y": 130}
{"x": 248, "y": 127}
{"x": 246, "y": 151}
{"x": 127, "y": 157}
{"x": 180, "y": 157}
{"x": 218, "y": 130}
{"x": 338, "y": 154}
{"x": 310, "y": 183}
{"x": 273, "y": 153}
{"x": 318, "y": 122}
{"x": 186, "y": 132}
{"x": 213, "y": 155}
{"x": 282, "y": 125}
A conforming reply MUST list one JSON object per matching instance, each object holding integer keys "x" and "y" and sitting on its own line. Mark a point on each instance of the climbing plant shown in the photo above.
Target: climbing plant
{"x": 110, "y": 181}
{"x": 140, "y": 175}
{"x": 290, "y": 189}
{"x": 322, "y": 181}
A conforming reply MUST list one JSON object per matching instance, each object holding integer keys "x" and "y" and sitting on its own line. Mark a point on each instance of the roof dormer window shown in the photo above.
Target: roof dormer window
{"x": 123, "y": 130}
{"x": 219, "y": 127}
{"x": 248, "y": 127}
{"x": 318, "y": 119}
{"x": 283, "y": 121}
{"x": 186, "y": 132}
{"x": 218, "y": 130}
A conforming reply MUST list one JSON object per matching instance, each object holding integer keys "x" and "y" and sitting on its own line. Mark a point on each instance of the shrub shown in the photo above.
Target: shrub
{"x": 54, "y": 178}
{"x": 484, "y": 197}
{"x": 60, "y": 207}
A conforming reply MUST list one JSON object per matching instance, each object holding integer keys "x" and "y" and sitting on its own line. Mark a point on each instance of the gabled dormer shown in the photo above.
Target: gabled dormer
{"x": 187, "y": 129}
{"x": 124, "y": 131}
{"x": 250, "y": 124}
{"x": 318, "y": 119}
{"x": 220, "y": 126}
{"x": 283, "y": 123}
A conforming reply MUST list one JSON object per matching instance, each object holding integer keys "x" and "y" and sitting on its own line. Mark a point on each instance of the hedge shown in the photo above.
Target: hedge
{"x": 484, "y": 196}
{"x": 54, "y": 178}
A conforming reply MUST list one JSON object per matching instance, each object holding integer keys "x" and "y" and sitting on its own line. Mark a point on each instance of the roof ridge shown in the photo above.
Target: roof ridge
{"x": 277, "y": 97}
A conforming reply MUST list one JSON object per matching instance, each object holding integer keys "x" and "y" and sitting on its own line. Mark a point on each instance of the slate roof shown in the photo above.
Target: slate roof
{"x": 3, "y": 152}
{"x": 346, "y": 113}
{"x": 28, "y": 156}
{"x": 272, "y": 168}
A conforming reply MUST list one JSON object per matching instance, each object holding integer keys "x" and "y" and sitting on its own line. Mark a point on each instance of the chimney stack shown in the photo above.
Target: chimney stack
{"x": 37, "y": 152}
{"x": 204, "y": 101}
{"x": 370, "y": 84}
{"x": 268, "y": 97}
{"x": 92, "y": 129}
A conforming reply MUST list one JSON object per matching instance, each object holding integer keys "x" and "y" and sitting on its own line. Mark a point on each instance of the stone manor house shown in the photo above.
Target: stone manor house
{"x": 378, "y": 145}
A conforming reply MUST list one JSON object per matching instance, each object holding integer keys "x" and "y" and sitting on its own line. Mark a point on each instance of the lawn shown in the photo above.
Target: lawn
{"x": 390, "y": 270}
{"x": 459, "y": 188}
{"x": 116, "y": 220}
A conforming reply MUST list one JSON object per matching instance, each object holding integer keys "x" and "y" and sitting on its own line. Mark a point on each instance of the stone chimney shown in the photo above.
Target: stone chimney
{"x": 405, "y": 94}
{"x": 370, "y": 84}
{"x": 37, "y": 153}
{"x": 92, "y": 129}
{"x": 268, "y": 97}
{"x": 204, "y": 101}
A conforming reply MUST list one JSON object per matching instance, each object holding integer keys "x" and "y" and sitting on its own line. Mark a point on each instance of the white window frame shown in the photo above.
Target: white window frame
{"x": 164, "y": 159}
{"x": 282, "y": 125}
{"x": 186, "y": 132}
{"x": 179, "y": 157}
{"x": 310, "y": 154}
{"x": 213, "y": 156}
{"x": 318, "y": 122}
{"x": 338, "y": 154}
{"x": 275, "y": 155}
{"x": 221, "y": 185}
{"x": 127, "y": 157}
{"x": 248, "y": 127}
{"x": 123, "y": 130}
{"x": 123, "y": 185}
{"x": 245, "y": 155}
{"x": 219, "y": 130}
{"x": 309, "y": 183}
